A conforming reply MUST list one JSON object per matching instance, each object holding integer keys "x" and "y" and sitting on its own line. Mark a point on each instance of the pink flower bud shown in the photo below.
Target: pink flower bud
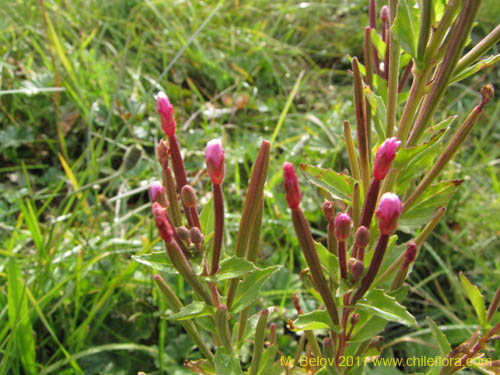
{"x": 384, "y": 157}
{"x": 166, "y": 111}
{"x": 156, "y": 189}
{"x": 164, "y": 229}
{"x": 384, "y": 14}
{"x": 342, "y": 226}
{"x": 388, "y": 212}
{"x": 214, "y": 157}
{"x": 291, "y": 186}
{"x": 410, "y": 254}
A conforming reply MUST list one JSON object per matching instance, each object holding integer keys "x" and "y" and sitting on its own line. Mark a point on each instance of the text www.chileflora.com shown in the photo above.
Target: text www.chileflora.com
{"x": 342, "y": 361}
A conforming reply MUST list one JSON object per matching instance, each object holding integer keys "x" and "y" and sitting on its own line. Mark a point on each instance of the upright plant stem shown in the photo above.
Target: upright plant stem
{"x": 218, "y": 226}
{"x": 451, "y": 148}
{"x": 393, "y": 76}
{"x": 250, "y": 209}
{"x": 175, "y": 305}
{"x": 309, "y": 250}
{"x": 479, "y": 49}
{"x": 459, "y": 36}
{"x": 359, "y": 102}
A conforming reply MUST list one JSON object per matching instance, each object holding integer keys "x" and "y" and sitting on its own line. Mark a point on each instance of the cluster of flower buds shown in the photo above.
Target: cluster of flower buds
{"x": 183, "y": 235}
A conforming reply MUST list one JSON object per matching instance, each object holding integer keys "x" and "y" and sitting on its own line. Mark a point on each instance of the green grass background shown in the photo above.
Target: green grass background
{"x": 81, "y": 302}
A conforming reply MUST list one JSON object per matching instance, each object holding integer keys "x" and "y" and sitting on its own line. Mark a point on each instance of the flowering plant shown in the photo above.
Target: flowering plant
{"x": 359, "y": 276}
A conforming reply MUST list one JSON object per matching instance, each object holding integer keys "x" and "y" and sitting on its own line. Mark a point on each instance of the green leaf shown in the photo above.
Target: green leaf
{"x": 328, "y": 260}
{"x": 379, "y": 44}
{"x": 473, "y": 69}
{"x": 157, "y": 260}
{"x": 249, "y": 289}
{"x": 267, "y": 360}
{"x": 318, "y": 319}
{"x": 423, "y": 209}
{"x": 368, "y": 326}
{"x": 406, "y": 26}
{"x": 386, "y": 307}
{"x": 379, "y": 112}
{"x": 207, "y": 218}
{"x": 233, "y": 267}
{"x": 337, "y": 184}
{"x": 195, "y": 309}
{"x": 19, "y": 319}
{"x": 439, "y": 338}
{"x": 226, "y": 363}
{"x": 405, "y": 156}
{"x": 476, "y": 298}
{"x": 434, "y": 130}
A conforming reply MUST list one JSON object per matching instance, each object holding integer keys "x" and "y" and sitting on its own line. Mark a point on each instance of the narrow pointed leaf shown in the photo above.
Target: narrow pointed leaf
{"x": 476, "y": 298}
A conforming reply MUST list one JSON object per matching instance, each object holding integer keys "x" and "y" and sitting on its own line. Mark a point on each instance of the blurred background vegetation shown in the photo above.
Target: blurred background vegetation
{"x": 229, "y": 68}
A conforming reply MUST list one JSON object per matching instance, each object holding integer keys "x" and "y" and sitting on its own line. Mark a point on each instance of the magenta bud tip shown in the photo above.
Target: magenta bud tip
{"x": 166, "y": 111}
{"x": 388, "y": 212}
{"x": 384, "y": 157}
{"x": 342, "y": 226}
{"x": 214, "y": 157}
{"x": 155, "y": 190}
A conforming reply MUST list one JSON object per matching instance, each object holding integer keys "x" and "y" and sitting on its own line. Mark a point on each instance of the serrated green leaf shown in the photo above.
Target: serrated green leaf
{"x": 248, "y": 291}
{"x": 406, "y": 26}
{"x": 232, "y": 267}
{"x": 318, "y": 319}
{"x": 226, "y": 363}
{"x": 473, "y": 69}
{"x": 423, "y": 209}
{"x": 476, "y": 298}
{"x": 337, "y": 184}
{"x": 195, "y": 309}
{"x": 439, "y": 337}
{"x": 386, "y": 307}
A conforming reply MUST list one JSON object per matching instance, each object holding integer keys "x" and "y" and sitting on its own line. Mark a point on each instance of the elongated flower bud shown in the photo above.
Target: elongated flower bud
{"x": 388, "y": 212}
{"x": 166, "y": 111}
{"x": 188, "y": 196}
{"x": 328, "y": 210}
{"x": 296, "y": 304}
{"x": 163, "y": 154}
{"x": 342, "y": 226}
{"x": 384, "y": 14}
{"x": 164, "y": 229}
{"x": 156, "y": 189}
{"x": 292, "y": 189}
{"x": 410, "y": 254}
{"x": 214, "y": 157}
{"x": 384, "y": 157}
